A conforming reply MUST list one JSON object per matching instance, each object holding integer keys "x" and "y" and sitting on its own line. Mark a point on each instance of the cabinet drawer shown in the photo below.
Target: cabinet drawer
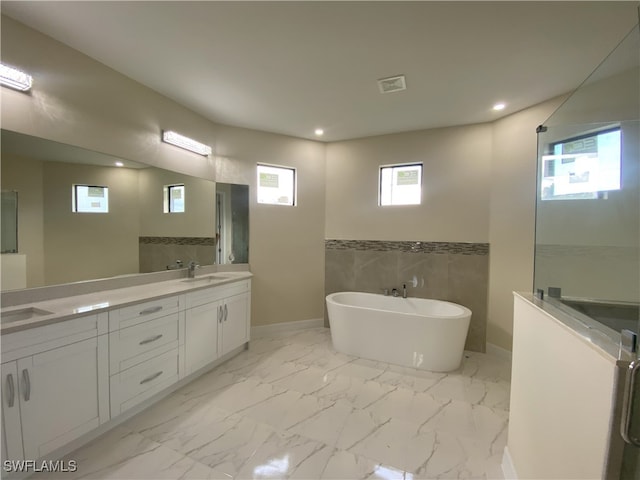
{"x": 143, "y": 312}
{"x": 133, "y": 345}
{"x": 136, "y": 384}
{"x": 40, "y": 339}
{"x": 213, "y": 294}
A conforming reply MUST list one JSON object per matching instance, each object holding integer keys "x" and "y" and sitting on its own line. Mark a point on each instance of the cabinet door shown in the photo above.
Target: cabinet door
{"x": 60, "y": 396}
{"x": 235, "y": 324}
{"x": 201, "y": 335}
{"x": 11, "y": 428}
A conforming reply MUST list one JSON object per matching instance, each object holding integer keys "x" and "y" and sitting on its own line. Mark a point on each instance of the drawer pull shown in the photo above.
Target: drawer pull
{"x": 149, "y": 310}
{"x": 27, "y": 385}
{"x": 151, "y": 339}
{"x": 11, "y": 391}
{"x": 151, "y": 377}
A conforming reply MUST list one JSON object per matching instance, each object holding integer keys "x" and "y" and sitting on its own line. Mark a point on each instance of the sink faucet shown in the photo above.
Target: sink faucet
{"x": 175, "y": 266}
{"x": 192, "y": 269}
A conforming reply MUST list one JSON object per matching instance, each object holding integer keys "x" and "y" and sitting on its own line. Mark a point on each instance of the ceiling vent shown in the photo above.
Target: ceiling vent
{"x": 392, "y": 84}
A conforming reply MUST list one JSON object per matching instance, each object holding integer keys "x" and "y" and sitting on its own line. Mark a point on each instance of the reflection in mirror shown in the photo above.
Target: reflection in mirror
{"x": 9, "y": 218}
{"x": 134, "y": 236}
{"x": 232, "y": 229}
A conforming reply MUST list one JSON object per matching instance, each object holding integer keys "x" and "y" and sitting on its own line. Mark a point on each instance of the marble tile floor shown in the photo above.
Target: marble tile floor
{"x": 293, "y": 407}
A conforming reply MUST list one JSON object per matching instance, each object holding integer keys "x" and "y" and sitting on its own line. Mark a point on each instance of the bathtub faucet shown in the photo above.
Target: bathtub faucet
{"x": 412, "y": 282}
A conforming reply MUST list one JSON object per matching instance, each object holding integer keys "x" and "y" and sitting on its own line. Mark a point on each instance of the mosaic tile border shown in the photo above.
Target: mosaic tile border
{"x": 204, "y": 241}
{"x": 409, "y": 247}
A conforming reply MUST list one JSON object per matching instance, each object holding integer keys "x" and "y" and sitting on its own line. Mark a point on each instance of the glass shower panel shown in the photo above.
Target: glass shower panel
{"x": 587, "y": 252}
{"x": 588, "y": 197}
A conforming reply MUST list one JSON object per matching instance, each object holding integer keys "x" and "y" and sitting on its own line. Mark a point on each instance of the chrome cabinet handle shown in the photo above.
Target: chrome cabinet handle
{"x": 27, "y": 385}
{"x": 220, "y": 314}
{"x": 149, "y": 310}
{"x": 226, "y": 312}
{"x": 627, "y": 404}
{"x": 151, "y": 339}
{"x": 11, "y": 391}
{"x": 151, "y": 377}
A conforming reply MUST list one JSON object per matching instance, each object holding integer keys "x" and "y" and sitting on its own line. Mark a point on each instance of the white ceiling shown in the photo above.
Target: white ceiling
{"x": 290, "y": 67}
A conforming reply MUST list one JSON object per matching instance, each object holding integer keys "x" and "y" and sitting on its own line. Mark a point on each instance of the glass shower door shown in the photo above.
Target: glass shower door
{"x": 587, "y": 252}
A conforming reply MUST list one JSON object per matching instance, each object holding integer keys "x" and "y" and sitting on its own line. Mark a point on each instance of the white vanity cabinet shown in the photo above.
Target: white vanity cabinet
{"x": 63, "y": 380}
{"x": 54, "y": 385}
{"x": 146, "y": 350}
{"x": 216, "y": 321}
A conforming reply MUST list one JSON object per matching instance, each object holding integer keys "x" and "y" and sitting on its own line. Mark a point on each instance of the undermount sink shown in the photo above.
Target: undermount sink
{"x": 206, "y": 278}
{"x": 23, "y": 314}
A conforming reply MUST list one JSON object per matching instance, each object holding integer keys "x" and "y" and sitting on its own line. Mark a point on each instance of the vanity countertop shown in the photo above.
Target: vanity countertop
{"x": 66, "y": 308}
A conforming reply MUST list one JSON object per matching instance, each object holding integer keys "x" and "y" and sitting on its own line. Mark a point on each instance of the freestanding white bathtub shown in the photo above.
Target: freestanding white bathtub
{"x": 414, "y": 332}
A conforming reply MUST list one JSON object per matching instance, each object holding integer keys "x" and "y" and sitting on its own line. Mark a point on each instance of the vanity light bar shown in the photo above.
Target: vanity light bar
{"x": 187, "y": 143}
{"x": 14, "y": 78}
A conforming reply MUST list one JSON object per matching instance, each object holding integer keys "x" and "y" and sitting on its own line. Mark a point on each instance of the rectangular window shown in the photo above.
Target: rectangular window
{"x": 90, "y": 199}
{"x": 401, "y": 184}
{"x": 174, "y": 198}
{"x": 276, "y": 185}
{"x": 583, "y": 167}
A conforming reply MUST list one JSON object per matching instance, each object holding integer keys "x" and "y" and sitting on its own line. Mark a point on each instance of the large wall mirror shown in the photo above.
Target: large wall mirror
{"x": 84, "y": 215}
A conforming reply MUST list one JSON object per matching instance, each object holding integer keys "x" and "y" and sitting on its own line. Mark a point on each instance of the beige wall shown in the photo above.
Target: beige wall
{"x": 456, "y": 186}
{"x": 25, "y": 175}
{"x": 286, "y": 244}
{"x": 79, "y": 101}
{"x": 512, "y": 219}
{"x": 561, "y": 399}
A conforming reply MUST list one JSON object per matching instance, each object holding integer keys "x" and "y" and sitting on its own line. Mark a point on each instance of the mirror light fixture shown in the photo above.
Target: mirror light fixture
{"x": 169, "y": 136}
{"x": 14, "y": 78}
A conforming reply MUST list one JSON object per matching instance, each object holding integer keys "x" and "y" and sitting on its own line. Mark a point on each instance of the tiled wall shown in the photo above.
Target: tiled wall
{"x": 456, "y": 272}
{"x": 158, "y": 252}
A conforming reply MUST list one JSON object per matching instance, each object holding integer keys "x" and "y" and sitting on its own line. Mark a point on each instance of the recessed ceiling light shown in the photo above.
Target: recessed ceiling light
{"x": 499, "y": 106}
{"x": 119, "y": 164}
{"x": 319, "y": 132}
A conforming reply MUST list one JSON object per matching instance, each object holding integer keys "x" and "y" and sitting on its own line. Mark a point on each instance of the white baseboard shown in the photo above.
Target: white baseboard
{"x": 262, "y": 330}
{"x": 508, "y": 469}
{"x": 497, "y": 351}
